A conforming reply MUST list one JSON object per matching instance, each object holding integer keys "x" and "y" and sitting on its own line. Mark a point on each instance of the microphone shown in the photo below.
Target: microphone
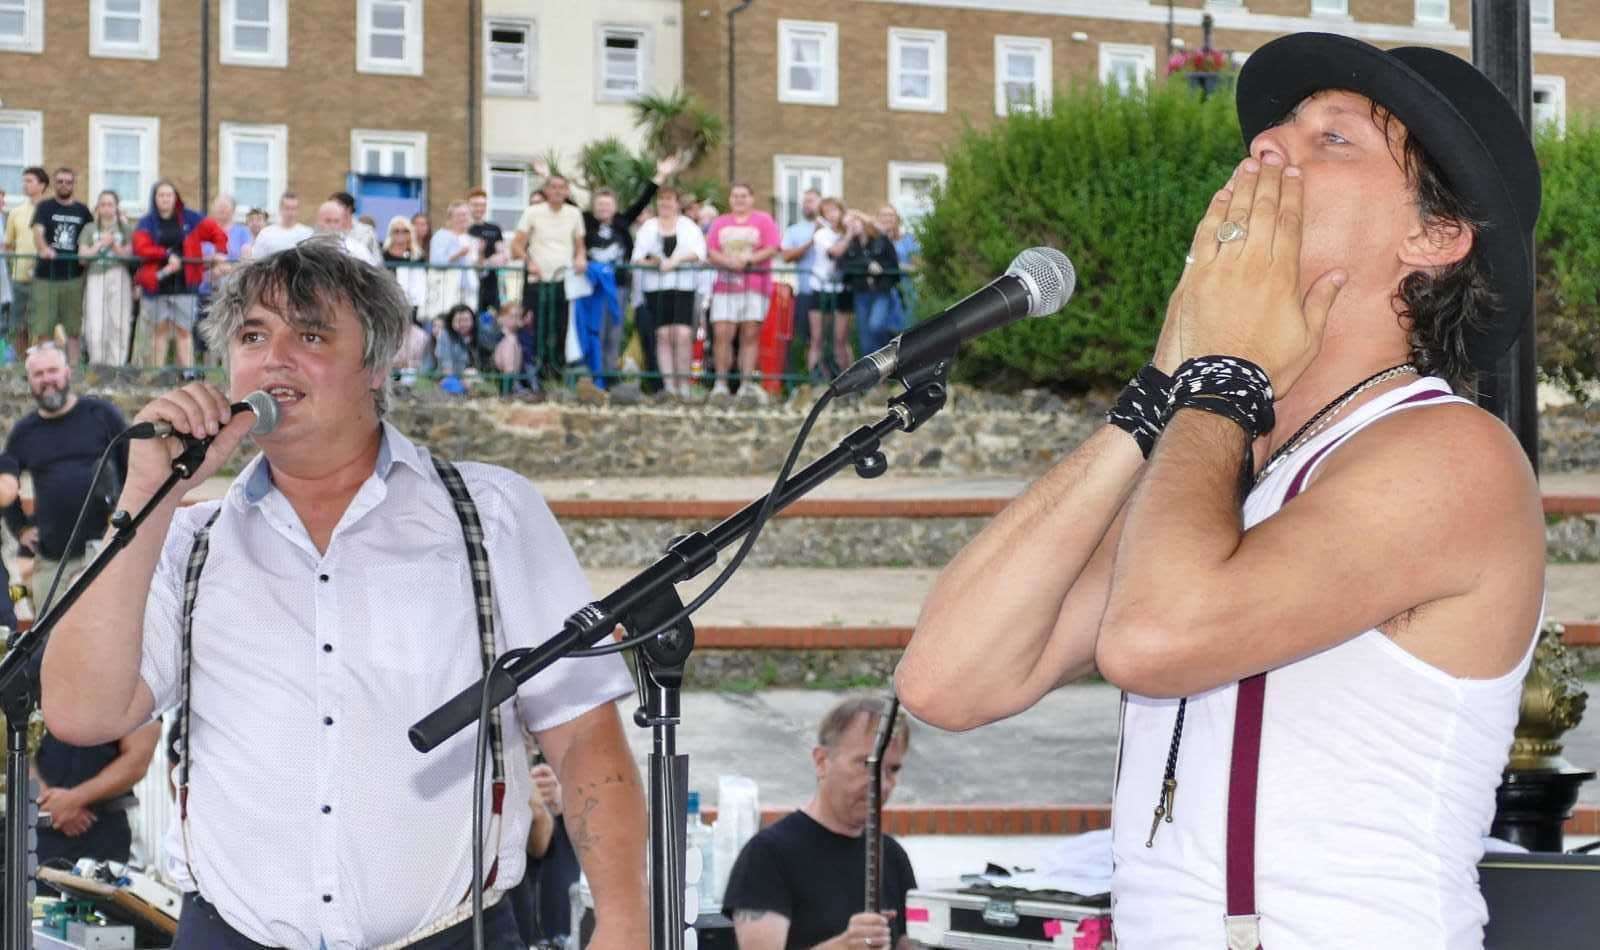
{"x": 1037, "y": 284}
{"x": 258, "y": 402}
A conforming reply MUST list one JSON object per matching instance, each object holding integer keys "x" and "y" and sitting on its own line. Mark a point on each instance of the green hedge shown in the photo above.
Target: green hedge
{"x": 1117, "y": 182}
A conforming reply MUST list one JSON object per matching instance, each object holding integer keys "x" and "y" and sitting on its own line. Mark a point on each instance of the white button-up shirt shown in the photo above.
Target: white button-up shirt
{"x": 311, "y": 817}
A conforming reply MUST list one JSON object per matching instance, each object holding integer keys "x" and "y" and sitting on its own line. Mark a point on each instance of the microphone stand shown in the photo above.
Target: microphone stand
{"x": 649, "y": 598}
{"x": 19, "y": 696}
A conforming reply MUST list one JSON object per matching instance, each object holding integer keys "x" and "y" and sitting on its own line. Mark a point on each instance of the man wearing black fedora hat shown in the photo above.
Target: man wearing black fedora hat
{"x": 1315, "y": 570}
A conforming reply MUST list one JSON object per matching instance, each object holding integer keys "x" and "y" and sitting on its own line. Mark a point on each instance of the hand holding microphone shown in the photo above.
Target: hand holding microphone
{"x": 200, "y": 417}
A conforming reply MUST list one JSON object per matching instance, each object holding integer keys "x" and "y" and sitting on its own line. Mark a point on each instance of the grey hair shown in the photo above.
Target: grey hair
{"x": 838, "y": 720}
{"x": 304, "y": 285}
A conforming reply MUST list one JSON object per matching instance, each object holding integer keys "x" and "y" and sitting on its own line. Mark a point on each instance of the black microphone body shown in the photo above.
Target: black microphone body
{"x": 1038, "y": 282}
{"x": 262, "y": 405}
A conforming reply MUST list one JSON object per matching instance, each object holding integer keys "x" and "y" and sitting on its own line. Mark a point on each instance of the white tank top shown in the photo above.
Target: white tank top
{"x": 1377, "y": 784}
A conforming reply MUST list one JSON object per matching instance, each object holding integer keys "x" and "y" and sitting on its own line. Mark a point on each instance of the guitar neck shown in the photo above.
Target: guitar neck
{"x": 872, "y": 835}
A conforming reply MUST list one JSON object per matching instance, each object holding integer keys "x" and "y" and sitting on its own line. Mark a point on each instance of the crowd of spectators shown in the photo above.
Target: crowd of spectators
{"x": 703, "y": 291}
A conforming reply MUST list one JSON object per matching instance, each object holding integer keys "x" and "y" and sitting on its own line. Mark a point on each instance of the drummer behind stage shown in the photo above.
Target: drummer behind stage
{"x": 333, "y": 606}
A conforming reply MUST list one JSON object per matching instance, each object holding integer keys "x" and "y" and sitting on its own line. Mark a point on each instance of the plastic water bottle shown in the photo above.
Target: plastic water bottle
{"x": 698, "y": 860}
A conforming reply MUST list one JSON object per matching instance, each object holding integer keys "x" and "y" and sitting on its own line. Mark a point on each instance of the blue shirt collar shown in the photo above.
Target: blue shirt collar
{"x": 255, "y": 481}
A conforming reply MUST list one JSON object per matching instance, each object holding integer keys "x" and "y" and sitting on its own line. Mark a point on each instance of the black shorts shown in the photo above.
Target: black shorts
{"x": 671, "y": 307}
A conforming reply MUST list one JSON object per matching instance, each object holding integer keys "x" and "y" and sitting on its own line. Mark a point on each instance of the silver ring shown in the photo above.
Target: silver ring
{"x": 1188, "y": 258}
{"x": 1231, "y": 231}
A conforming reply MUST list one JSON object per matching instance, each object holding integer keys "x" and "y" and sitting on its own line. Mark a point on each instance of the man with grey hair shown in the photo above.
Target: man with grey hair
{"x": 304, "y": 619}
{"x": 799, "y": 882}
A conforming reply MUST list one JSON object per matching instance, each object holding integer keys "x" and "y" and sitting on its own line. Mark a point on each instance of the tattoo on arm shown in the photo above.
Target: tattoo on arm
{"x": 583, "y": 837}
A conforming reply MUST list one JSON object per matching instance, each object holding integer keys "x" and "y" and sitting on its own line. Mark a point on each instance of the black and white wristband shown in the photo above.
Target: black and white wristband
{"x": 1143, "y": 408}
{"x": 1234, "y": 388}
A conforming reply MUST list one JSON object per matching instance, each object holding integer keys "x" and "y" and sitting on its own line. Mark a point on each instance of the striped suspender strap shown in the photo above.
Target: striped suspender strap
{"x": 483, "y": 603}
{"x": 191, "y": 589}
{"x": 1243, "y": 921}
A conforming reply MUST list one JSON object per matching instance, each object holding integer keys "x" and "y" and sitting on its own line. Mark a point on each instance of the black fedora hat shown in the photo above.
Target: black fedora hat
{"x": 1463, "y": 122}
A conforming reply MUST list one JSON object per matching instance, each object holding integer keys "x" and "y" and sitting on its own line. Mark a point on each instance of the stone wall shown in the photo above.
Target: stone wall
{"x": 978, "y": 434}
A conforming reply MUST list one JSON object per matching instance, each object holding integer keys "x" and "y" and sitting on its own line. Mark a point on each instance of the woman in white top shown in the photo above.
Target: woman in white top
{"x": 108, "y": 290}
{"x": 454, "y": 251}
{"x": 830, "y": 241}
{"x": 672, "y": 245}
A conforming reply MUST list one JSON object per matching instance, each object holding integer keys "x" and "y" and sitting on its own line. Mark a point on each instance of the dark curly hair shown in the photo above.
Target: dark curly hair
{"x": 1441, "y": 309}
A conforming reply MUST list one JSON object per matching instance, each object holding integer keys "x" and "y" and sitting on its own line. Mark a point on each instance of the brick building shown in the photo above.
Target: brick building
{"x": 280, "y": 94}
{"x": 860, "y": 97}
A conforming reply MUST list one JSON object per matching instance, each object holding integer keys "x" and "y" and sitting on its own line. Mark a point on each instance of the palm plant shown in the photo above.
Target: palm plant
{"x": 676, "y": 123}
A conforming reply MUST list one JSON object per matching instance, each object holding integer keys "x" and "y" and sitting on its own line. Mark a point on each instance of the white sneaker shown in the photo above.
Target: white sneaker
{"x": 721, "y": 388}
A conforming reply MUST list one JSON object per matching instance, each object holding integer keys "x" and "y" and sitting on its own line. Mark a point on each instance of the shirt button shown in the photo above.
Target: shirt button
{"x": 327, "y": 720}
{"x": 327, "y": 648}
{"x": 323, "y": 578}
{"x": 327, "y": 898}
{"x": 327, "y": 809}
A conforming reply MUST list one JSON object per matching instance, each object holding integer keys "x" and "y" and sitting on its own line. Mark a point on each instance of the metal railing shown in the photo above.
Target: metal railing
{"x": 116, "y": 333}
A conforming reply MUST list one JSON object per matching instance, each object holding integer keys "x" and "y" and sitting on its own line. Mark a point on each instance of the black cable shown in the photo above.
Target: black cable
{"x": 39, "y": 610}
{"x": 763, "y": 515}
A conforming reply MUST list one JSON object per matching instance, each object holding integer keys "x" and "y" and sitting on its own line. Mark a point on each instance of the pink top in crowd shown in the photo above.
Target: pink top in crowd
{"x": 730, "y": 234}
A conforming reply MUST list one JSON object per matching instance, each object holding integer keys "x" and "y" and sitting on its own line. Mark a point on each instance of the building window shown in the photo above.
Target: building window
{"x": 508, "y": 48}
{"x": 253, "y": 163}
{"x": 793, "y": 174}
{"x": 1125, "y": 66}
{"x": 911, "y": 187}
{"x": 1550, "y": 103}
{"x": 1433, "y": 12}
{"x": 389, "y": 37}
{"x": 509, "y": 188}
{"x": 382, "y": 152}
{"x": 128, "y": 29}
{"x": 1542, "y": 14}
{"x": 622, "y": 63}
{"x": 19, "y": 148}
{"x": 255, "y": 33}
{"x": 1021, "y": 74}
{"x": 808, "y": 62}
{"x": 22, "y": 26}
{"x": 124, "y": 153}
{"x": 1330, "y": 8}
{"x": 916, "y": 70}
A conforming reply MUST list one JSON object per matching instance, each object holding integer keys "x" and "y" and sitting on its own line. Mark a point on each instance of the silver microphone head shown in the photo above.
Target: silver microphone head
{"x": 266, "y": 410}
{"x": 1049, "y": 276}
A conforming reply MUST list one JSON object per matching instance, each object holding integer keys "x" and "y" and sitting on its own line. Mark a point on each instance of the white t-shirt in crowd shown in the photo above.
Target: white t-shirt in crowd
{"x": 553, "y": 237}
{"x": 274, "y": 238}
{"x": 823, "y": 264}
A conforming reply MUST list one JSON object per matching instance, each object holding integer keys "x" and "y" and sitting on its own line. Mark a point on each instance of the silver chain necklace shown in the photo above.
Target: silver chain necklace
{"x": 1325, "y": 416}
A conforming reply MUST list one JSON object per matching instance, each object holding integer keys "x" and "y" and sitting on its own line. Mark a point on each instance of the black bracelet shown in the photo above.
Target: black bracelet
{"x": 1143, "y": 408}
{"x": 1234, "y": 388}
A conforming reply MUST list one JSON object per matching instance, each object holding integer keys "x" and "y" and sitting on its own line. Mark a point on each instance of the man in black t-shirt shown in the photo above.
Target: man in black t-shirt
{"x": 59, "y": 444}
{"x": 58, "y": 284}
{"x": 494, "y": 251}
{"x": 799, "y": 883}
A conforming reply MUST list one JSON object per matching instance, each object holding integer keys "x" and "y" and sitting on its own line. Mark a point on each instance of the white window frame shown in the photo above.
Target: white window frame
{"x": 277, "y": 136}
{"x": 1557, "y": 87}
{"x": 828, "y": 34}
{"x": 277, "y": 54}
{"x": 1110, "y": 53}
{"x": 1333, "y": 9}
{"x": 411, "y": 63}
{"x": 32, "y": 123}
{"x": 32, "y": 40}
{"x": 501, "y": 166}
{"x": 898, "y": 171}
{"x": 149, "y": 131}
{"x": 1039, "y": 46}
{"x": 530, "y": 85}
{"x": 1422, "y": 17}
{"x": 781, "y": 164}
{"x": 644, "y": 35}
{"x": 938, "y": 72}
{"x": 1545, "y": 24}
{"x": 416, "y": 141}
{"x": 149, "y": 45}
